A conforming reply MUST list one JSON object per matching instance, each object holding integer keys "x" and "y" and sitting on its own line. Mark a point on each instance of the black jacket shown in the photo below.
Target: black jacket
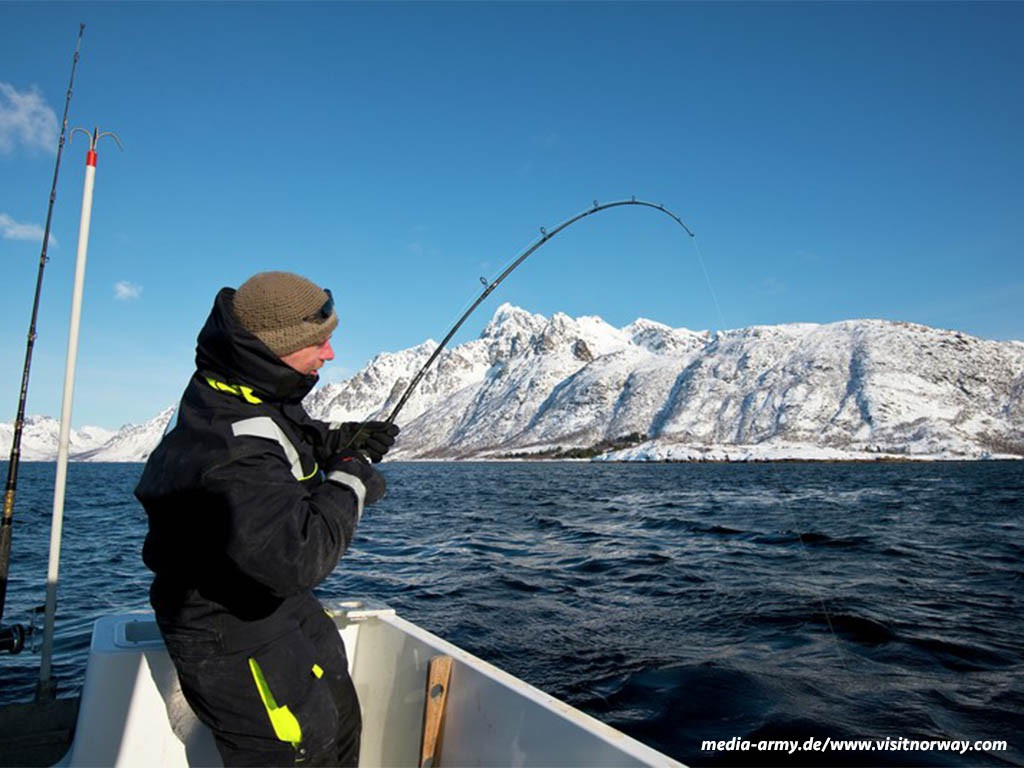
{"x": 243, "y": 522}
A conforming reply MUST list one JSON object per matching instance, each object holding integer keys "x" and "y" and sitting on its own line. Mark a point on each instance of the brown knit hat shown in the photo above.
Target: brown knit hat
{"x": 284, "y": 311}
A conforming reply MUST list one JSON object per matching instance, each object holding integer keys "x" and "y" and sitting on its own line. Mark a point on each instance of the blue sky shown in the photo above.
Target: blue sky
{"x": 836, "y": 160}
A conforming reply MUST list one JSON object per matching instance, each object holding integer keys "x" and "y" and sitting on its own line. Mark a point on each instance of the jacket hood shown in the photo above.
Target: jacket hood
{"x": 226, "y": 349}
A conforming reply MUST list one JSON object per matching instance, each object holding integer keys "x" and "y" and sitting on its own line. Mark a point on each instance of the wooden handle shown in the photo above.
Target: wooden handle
{"x": 438, "y": 674}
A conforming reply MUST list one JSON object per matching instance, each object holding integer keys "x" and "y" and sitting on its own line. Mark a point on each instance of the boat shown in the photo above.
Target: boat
{"x": 132, "y": 711}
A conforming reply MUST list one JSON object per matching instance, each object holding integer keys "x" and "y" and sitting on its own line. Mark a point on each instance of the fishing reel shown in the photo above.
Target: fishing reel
{"x": 15, "y": 638}
{"x": 12, "y": 639}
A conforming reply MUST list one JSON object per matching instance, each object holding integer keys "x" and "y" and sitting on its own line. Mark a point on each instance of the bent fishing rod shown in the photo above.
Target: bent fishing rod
{"x": 490, "y": 286}
{"x": 13, "y": 639}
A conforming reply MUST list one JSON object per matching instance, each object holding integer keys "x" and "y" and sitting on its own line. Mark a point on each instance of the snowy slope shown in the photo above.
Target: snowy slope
{"x": 131, "y": 442}
{"x": 862, "y": 386}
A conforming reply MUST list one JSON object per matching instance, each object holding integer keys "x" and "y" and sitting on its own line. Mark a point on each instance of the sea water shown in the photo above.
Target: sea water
{"x": 681, "y": 603}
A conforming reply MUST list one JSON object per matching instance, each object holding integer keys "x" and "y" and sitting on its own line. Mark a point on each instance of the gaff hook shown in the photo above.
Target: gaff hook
{"x": 95, "y": 136}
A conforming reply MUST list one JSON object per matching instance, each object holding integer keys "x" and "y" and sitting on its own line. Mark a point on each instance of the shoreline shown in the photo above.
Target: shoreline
{"x": 647, "y": 459}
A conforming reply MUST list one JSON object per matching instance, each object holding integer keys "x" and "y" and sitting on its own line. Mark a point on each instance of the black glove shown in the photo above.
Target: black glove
{"x": 372, "y": 438}
{"x": 350, "y": 469}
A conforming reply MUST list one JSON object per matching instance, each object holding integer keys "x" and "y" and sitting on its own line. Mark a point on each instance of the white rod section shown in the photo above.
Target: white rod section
{"x": 46, "y": 689}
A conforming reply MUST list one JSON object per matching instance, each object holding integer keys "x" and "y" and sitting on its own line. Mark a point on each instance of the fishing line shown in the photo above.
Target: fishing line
{"x": 707, "y": 279}
{"x": 804, "y": 552}
{"x": 824, "y": 606}
{"x": 491, "y": 285}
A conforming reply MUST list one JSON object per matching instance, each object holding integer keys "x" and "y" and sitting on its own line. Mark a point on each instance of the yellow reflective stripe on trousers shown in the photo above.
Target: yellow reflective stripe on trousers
{"x": 286, "y": 727}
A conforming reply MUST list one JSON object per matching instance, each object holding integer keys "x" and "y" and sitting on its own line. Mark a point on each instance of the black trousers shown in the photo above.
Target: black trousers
{"x": 289, "y": 701}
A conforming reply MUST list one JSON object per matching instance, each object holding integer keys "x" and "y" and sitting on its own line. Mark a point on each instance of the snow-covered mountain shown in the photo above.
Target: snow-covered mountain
{"x": 40, "y": 435}
{"x": 531, "y": 385}
{"x": 559, "y": 386}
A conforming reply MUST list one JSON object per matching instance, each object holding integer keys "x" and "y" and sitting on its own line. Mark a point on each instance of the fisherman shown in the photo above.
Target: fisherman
{"x": 251, "y": 504}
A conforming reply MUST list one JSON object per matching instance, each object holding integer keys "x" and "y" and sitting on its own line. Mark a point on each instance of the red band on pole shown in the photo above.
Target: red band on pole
{"x": 90, "y": 159}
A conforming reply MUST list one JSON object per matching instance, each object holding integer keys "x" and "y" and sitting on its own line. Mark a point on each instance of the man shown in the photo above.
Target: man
{"x": 251, "y": 503}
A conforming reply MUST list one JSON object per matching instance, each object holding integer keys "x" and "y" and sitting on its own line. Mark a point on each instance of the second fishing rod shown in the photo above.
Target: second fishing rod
{"x": 12, "y": 639}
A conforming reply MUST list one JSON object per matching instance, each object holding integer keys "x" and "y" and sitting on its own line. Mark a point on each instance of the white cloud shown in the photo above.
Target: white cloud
{"x": 125, "y": 291}
{"x": 25, "y": 118}
{"x": 15, "y": 230}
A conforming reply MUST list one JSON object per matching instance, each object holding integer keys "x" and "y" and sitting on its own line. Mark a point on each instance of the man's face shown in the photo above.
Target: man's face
{"x": 309, "y": 359}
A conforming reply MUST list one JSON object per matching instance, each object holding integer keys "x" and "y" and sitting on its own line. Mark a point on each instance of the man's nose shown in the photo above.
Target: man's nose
{"x": 327, "y": 352}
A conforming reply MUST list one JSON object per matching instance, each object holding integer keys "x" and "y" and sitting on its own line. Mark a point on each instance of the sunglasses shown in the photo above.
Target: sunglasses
{"x": 322, "y": 314}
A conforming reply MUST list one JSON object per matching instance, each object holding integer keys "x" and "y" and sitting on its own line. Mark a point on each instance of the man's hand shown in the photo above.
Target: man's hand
{"x": 372, "y": 438}
{"x": 349, "y": 469}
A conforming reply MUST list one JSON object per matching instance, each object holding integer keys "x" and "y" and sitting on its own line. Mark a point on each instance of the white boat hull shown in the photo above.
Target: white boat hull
{"x": 132, "y": 712}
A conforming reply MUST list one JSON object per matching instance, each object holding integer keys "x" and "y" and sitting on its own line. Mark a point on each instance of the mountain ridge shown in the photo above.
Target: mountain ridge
{"x": 533, "y": 386}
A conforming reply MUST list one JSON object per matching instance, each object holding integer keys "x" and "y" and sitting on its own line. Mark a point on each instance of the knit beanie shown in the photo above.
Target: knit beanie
{"x": 283, "y": 310}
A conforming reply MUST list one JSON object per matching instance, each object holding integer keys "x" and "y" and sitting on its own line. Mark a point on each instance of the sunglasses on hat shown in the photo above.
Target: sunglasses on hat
{"x": 322, "y": 314}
